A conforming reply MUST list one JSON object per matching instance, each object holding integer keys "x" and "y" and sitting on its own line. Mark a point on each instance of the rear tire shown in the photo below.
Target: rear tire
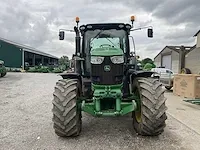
{"x": 168, "y": 87}
{"x": 66, "y": 111}
{"x": 152, "y": 107}
{"x": 185, "y": 71}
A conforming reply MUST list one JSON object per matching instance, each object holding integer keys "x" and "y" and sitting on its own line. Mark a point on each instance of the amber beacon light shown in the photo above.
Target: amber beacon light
{"x": 77, "y": 19}
{"x": 132, "y": 18}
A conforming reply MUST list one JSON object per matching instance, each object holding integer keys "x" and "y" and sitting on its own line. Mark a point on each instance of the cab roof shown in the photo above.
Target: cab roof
{"x": 105, "y": 26}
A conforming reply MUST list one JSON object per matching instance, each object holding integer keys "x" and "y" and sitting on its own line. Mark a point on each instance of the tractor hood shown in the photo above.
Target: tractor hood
{"x": 106, "y": 51}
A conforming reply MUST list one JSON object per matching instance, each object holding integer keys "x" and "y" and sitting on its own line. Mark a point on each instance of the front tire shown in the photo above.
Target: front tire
{"x": 66, "y": 113}
{"x": 150, "y": 118}
{"x": 185, "y": 71}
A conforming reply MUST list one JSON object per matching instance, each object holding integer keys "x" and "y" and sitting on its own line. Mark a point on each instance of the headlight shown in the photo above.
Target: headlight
{"x": 96, "y": 60}
{"x": 117, "y": 59}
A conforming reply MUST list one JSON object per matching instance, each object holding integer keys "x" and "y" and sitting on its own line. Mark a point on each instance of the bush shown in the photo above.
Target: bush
{"x": 153, "y": 66}
{"x": 62, "y": 67}
{"x": 148, "y": 66}
{"x": 51, "y": 68}
{"x": 32, "y": 69}
{"x": 57, "y": 70}
{"x": 13, "y": 69}
{"x": 43, "y": 69}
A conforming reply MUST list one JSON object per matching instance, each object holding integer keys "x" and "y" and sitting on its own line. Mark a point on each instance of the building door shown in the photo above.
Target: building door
{"x": 167, "y": 61}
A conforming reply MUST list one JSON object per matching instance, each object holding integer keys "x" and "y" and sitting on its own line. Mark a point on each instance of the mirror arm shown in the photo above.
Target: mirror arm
{"x": 134, "y": 51}
{"x": 142, "y": 28}
{"x": 66, "y": 30}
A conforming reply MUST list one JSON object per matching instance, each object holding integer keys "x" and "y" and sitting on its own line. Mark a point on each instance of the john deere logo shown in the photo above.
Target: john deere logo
{"x": 107, "y": 68}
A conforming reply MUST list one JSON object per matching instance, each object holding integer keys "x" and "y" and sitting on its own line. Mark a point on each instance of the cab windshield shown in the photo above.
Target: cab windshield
{"x": 99, "y": 38}
{"x": 101, "y": 42}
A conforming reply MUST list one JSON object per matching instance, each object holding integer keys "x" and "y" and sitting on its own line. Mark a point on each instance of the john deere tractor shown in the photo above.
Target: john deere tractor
{"x": 106, "y": 82}
{"x": 2, "y": 69}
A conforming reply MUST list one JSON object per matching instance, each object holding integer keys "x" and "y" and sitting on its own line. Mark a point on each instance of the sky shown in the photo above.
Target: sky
{"x": 36, "y": 23}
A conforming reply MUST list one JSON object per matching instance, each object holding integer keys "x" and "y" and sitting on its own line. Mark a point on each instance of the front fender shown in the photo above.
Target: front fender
{"x": 70, "y": 75}
{"x": 135, "y": 73}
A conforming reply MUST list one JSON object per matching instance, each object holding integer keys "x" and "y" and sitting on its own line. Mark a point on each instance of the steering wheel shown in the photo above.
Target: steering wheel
{"x": 105, "y": 45}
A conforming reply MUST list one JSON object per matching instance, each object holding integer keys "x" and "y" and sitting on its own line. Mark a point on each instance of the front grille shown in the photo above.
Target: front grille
{"x": 100, "y": 76}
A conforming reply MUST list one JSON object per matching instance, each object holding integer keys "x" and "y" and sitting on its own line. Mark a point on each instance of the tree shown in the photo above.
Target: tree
{"x": 64, "y": 61}
{"x": 147, "y": 60}
{"x": 148, "y": 66}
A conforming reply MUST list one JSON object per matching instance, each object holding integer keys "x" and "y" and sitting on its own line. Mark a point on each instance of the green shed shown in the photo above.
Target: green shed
{"x": 11, "y": 55}
{"x": 17, "y": 55}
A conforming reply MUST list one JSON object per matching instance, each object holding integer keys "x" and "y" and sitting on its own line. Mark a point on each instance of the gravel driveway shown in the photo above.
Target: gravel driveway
{"x": 25, "y": 122}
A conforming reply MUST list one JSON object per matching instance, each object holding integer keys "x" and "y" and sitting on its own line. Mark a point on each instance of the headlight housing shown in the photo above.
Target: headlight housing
{"x": 96, "y": 59}
{"x": 117, "y": 59}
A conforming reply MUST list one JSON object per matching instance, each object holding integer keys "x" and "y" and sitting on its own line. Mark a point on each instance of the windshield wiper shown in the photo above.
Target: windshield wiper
{"x": 112, "y": 43}
{"x": 97, "y": 34}
{"x": 106, "y": 37}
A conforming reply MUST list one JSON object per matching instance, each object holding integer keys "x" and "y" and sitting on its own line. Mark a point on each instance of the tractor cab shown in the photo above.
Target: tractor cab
{"x": 106, "y": 49}
{"x": 104, "y": 40}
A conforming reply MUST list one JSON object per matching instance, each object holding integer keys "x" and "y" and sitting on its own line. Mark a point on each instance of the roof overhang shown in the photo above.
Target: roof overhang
{"x": 196, "y": 33}
{"x": 176, "y": 49}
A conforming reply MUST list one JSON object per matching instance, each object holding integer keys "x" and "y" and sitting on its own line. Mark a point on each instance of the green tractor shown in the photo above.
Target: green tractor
{"x": 3, "y": 70}
{"x": 105, "y": 84}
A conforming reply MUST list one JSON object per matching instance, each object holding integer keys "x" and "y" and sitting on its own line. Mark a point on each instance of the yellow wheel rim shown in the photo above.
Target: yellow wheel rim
{"x": 183, "y": 71}
{"x": 138, "y": 116}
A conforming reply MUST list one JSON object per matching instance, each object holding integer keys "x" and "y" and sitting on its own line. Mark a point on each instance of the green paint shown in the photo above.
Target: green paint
{"x": 193, "y": 101}
{"x": 88, "y": 107}
{"x": 107, "y": 91}
{"x": 111, "y": 93}
{"x": 106, "y": 51}
{"x": 11, "y": 55}
{"x": 126, "y": 107}
{"x": 118, "y": 104}
{"x": 107, "y": 99}
{"x": 97, "y": 105}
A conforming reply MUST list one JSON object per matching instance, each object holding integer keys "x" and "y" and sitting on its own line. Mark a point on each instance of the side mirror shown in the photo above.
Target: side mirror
{"x": 61, "y": 35}
{"x": 150, "y": 33}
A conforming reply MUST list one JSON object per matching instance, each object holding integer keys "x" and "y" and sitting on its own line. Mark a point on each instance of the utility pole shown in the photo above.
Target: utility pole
{"x": 182, "y": 53}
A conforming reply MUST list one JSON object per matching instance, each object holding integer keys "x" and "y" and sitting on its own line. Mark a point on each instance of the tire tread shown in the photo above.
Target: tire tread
{"x": 153, "y": 107}
{"x": 66, "y": 117}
